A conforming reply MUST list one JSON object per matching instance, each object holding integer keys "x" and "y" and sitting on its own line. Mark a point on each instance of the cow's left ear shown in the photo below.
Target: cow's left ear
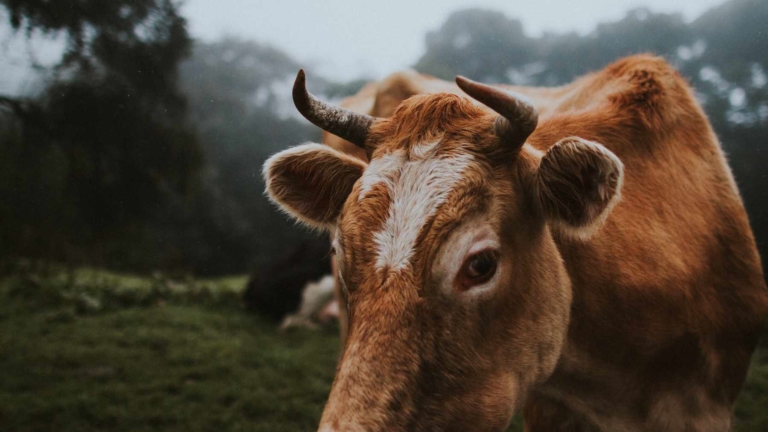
{"x": 311, "y": 182}
{"x": 578, "y": 183}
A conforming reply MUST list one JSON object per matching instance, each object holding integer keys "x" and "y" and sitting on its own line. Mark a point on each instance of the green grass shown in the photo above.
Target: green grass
{"x": 94, "y": 351}
{"x": 751, "y": 411}
{"x": 165, "y": 359}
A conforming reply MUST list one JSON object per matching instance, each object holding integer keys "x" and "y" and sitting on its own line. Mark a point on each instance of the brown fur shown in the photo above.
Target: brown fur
{"x": 646, "y": 324}
{"x": 313, "y": 184}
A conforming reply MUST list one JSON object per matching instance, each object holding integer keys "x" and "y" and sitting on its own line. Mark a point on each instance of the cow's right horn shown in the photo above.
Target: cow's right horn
{"x": 342, "y": 122}
{"x": 518, "y": 117}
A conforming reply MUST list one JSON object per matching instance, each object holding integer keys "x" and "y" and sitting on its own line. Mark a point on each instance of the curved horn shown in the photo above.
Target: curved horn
{"x": 347, "y": 124}
{"x": 518, "y": 117}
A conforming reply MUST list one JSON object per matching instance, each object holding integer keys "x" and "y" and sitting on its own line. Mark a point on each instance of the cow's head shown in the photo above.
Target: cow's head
{"x": 457, "y": 295}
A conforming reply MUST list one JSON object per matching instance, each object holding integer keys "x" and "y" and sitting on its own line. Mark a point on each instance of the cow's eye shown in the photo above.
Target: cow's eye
{"x": 478, "y": 269}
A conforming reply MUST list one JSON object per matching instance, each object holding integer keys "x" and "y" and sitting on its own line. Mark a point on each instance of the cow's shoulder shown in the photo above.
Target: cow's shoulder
{"x": 649, "y": 92}
{"x": 637, "y": 104}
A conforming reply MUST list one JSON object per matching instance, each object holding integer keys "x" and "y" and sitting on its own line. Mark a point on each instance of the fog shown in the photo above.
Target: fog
{"x": 347, "y": 38}
{"x": 343, "y": 39}
{"x": 144, "y": 273}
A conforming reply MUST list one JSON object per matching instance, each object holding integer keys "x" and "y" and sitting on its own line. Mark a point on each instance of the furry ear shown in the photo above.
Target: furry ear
{"x": 311, "y": 182}
{"x": 578, "y": 183}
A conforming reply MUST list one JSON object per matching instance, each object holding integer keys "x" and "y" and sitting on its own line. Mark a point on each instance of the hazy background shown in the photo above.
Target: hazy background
{"x": 132, "y": 134}
{"x": 349, "y": 40}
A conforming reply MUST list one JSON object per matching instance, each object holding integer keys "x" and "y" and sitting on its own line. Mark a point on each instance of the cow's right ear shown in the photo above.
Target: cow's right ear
{"x": 311, "y": 182}
{"x": 578, "y": 183}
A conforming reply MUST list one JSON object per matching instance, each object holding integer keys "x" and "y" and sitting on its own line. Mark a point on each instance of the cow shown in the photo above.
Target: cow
{"x": 317, "y": 305}
{"x": 579, "y": 253}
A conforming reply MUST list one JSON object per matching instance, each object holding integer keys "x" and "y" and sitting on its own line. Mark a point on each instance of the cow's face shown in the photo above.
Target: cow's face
{"x": 458, "y": 298}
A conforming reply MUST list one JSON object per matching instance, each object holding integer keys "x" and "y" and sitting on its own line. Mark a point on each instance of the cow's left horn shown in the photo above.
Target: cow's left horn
{"x": 518, "y": 117}
{"x": 342, "y": 122}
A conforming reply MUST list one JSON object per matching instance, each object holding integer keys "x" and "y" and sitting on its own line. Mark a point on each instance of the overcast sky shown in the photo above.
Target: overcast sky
{"x": 349, "y": 38}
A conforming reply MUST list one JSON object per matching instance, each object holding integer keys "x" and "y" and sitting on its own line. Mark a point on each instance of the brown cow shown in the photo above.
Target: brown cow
{"x": 595, "y": 268}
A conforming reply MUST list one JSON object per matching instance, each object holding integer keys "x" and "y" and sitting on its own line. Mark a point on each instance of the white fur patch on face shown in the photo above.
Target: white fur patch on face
{"x": 381, "y": 170}
{"x": 422, "y": 151}
{"x": 417, "y": 187}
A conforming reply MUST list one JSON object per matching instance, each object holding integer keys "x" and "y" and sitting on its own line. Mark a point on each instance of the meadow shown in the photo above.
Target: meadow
{"x": 90, "y": 350}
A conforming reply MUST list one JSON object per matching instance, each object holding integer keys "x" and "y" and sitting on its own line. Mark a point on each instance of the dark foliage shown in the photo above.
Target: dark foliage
{"x": 240, "y": 105}
{"x": 476, "y": 43}
{"x": 142, "y": 41}
{"x": 93, "y": 162}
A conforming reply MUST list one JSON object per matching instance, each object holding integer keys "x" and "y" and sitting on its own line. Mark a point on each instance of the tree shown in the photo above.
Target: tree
{"x": 239, "y": 93}
{"x": 641, "y": 30}
{"x": 114, "y": 117}
{"x": 480, "y": 44}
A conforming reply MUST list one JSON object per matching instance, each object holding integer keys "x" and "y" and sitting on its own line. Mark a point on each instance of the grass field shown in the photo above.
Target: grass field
{"x": 94, "y": 351}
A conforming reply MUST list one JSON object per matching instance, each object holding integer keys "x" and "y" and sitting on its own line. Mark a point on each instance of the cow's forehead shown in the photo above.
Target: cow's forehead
{"x": 413, "y": 184}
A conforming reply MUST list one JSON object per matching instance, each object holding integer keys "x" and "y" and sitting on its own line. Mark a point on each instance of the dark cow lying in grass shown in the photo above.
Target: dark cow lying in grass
{"x": 592, "y": 265}
{"x": 275, "y": 289}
